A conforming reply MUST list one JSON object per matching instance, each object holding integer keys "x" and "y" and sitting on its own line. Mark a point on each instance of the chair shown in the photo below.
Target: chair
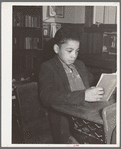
{"x": 32, "y": 114}
{"x": 109, "y": 118}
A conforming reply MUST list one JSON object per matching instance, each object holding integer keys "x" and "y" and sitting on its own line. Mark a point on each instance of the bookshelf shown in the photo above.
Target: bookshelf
{"x": 92, "y": 48}
{"x": 27, "y": 39}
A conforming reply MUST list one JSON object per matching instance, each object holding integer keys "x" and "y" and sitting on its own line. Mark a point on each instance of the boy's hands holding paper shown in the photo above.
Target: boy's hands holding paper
{"x": 94, "y": 94}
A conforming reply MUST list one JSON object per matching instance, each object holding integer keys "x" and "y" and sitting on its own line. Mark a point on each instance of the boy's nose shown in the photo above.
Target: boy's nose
{"x": 74, "y": 55}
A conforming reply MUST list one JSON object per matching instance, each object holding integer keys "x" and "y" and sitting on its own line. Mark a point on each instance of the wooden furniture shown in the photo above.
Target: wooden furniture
{"x": 93, "y": 38}
{"x": 87, "y": 110}
{"x": 28, "y": 114}
{"x": 17, "y": 129}
{"x": 113, "y": 136}
{"x": 27, "y": 39}
{"x": 99, "y": 63}
{"x": 86, "y": 122}
{"x": 104, "y": 61}
{"x": 109, "y": 119}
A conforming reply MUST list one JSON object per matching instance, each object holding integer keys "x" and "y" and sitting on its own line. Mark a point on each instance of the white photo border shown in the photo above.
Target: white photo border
{"x": 6, "y": 70}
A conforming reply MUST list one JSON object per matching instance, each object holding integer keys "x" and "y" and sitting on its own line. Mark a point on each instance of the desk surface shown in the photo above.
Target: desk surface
{"x": 89, "y": 111}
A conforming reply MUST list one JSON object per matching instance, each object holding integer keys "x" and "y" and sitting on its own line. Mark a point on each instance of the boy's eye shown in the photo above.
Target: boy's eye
{"x": 69, "y": 51}
{"x": 77, "y": 50}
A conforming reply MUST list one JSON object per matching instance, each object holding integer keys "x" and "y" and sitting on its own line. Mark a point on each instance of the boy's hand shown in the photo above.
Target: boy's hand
{"x": 94, "y": 94}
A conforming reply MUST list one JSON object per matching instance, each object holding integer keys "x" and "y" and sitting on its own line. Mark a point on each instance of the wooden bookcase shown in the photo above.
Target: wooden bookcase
{"x": 27, "y": 39}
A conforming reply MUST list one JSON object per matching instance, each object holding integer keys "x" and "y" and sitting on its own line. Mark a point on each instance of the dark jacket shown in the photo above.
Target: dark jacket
{"x": 54, "y": 85}
{"x": 54, "y": 89}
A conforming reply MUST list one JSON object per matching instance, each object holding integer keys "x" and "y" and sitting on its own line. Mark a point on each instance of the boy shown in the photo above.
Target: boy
{"x": 64, "y": 79}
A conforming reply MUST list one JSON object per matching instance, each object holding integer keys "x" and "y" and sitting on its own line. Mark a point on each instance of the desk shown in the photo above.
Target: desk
{"x": 86, "y": 123}
{"x": 87, "y": 110}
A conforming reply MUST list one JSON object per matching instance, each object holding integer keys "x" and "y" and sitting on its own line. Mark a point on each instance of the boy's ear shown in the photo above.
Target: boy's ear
{"x": 56, "y": 48}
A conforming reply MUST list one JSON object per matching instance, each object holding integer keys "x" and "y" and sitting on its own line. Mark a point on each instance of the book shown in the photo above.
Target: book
{"x": 108, "y": 83}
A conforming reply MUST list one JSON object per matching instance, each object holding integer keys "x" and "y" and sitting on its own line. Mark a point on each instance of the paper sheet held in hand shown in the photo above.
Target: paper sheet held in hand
{"x": 108, "y": 83}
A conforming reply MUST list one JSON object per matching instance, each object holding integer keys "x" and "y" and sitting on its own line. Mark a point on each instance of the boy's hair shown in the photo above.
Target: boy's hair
{"x": 66, "y": 33}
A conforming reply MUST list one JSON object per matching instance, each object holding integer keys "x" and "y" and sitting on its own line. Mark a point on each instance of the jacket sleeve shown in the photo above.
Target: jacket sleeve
{"x": 50, "y": 95}
{"x": 90, "y": 76}
{"x": 86, "y": 71}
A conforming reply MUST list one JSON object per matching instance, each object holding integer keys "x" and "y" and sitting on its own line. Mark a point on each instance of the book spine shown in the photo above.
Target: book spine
{"x": 25, "y": 20}
{"x": 34, "y": 43}
{"x": 29, "y": 21}
{"x": 35, "y": 21}
{"x": 15, "y": 42}
{"x": 26, "y": 42}
{"x": 32, "y": 21}
{"x": 38, "y": 21}
{"x": 30, "y": 42}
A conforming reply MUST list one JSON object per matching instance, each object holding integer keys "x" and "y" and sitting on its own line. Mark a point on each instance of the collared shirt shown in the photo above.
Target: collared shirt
{"x": 74, "y": 78}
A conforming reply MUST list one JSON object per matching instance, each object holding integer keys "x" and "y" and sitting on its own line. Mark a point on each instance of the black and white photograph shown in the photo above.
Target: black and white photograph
{"x": 60, "y": 74}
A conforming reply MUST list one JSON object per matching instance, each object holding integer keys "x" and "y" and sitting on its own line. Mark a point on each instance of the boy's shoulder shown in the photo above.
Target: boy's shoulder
{"x": 49, "y": 62}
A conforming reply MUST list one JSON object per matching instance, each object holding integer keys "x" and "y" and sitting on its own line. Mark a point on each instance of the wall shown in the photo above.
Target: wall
{"x": 76, "y": 14}
{"x": 105, "y": 14}
{"x": 80, "y": 14}
{"x": 72, "y": 14}
{"x": 110, "y": 15}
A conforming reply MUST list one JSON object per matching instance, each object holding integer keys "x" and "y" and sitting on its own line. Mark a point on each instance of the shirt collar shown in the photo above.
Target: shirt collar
{"x": 64, "y": 64}
{"x": 68, "y": 68}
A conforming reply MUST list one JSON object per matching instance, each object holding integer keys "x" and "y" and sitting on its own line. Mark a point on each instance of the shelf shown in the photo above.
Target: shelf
{"x": 101, "y": 29}
{"x": 26, "y": 50}
{"x": 34, "y": 52}
{"x": 26, "y": 28}
{"x": 27, "y": 38}
{"x": 27, "y": 16}
{"x": 27, "y": 31}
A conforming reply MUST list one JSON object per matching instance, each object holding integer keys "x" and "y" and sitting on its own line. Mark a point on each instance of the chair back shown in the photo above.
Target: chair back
{"x": 109, "y": 118}
{"x": 28, "y": 100}
{"x": 31, "y": 110}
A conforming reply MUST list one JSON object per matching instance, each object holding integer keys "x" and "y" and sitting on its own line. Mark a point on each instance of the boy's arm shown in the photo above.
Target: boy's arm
{"x": 50, "y": 95}
{"x": 90, "y": 76}
{"x": 82, "y": 66}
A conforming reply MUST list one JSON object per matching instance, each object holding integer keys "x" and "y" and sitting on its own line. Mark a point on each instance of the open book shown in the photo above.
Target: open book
{"x": 108, "y": 83}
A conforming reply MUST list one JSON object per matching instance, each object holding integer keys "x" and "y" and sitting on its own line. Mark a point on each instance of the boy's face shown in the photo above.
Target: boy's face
{"x": 68, "y": 51}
